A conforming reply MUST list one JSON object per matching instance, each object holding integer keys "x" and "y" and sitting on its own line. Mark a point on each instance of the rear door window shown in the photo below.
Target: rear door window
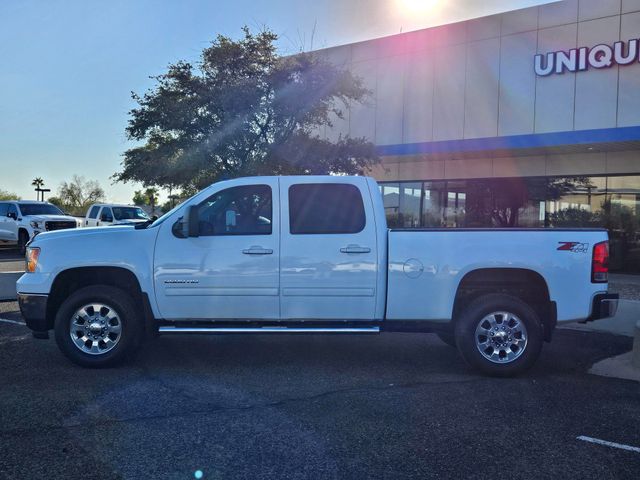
{"x": 93, "y": 213}
{"x": 319, "y": 208}
{"x": 106, "y": 215}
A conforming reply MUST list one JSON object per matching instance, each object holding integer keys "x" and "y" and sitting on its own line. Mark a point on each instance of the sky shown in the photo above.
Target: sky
{"x": 67, "y": 68}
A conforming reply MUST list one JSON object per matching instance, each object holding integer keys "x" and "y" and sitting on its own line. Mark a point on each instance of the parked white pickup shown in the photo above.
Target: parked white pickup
{"x": 22, "y": 220}
{"x": 311, "y": 254}
{"x": 102, "y": 215}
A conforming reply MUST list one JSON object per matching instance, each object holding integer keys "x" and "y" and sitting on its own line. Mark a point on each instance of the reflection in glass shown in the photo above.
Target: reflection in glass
{"x": 432, "y": 201}
{"x": 409, "y": 213}
{"x": 561, "y": 202}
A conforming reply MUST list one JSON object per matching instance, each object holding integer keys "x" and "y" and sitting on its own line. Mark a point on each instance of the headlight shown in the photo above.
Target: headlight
{"x": 35, "y": 224}
{"x": 31, "y": 259}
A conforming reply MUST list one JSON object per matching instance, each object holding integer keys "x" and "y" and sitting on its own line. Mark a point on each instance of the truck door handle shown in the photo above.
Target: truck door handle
{"x": 257, "y": 251}
{"x": 355, "y": 249}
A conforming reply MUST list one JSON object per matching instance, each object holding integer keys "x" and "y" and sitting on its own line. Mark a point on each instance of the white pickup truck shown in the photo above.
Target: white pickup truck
{"x": 310, "y": 254}
{"x": 22, "y": 220}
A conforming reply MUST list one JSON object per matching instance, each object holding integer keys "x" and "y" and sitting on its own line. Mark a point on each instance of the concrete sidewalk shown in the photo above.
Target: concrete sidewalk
{"x": 628, "y": 286}
{"x": 624, "y": 323}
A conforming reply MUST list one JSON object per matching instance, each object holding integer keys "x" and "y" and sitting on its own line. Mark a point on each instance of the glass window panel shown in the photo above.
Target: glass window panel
{"x": 409, "y": 208}
{"x": 432, "y": 208}
{"x": 391, "y": 200}
{"x": 574, "y": 202}
{"x": 454, "y": 214}
{"x": 242, "y": 210}
{"x": 621, "y": 216}
{"x": 316, "y": 208}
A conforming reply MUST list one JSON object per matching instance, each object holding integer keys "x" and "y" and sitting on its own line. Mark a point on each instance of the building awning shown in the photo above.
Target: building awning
{"x": 580, "y": 141}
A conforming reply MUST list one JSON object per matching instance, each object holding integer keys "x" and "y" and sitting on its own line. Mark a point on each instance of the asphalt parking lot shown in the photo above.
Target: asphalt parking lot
{"x": 389, "y": 406}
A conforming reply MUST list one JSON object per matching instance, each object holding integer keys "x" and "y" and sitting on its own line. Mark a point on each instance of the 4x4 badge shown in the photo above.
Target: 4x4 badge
{"x": 575, "y": 247}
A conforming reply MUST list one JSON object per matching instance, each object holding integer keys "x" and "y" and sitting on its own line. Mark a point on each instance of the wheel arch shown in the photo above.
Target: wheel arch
{"x": 525, "y": 284}
{"x": 24, "y": 230}
{"x": 70, "y": 280}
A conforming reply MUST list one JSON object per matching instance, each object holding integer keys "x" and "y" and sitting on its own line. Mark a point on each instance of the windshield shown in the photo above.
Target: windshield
{"x": 39, "y": 209}
{"x": 129, "y": 213}
{"x": 170, "y": 212}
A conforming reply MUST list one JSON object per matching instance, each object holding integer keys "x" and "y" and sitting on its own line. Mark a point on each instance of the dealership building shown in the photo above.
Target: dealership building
{"x": 529, "y": 118}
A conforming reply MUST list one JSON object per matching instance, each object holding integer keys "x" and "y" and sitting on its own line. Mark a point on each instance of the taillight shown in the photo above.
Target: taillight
{"x": 600, "y": 263}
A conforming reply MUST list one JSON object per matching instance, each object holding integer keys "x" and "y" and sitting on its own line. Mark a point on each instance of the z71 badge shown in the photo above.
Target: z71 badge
{"x": 575, "y": 247}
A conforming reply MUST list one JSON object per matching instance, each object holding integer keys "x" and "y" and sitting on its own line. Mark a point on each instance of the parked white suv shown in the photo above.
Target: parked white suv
{"x": 100, "y": 215}
{"x": 22, "y": 220}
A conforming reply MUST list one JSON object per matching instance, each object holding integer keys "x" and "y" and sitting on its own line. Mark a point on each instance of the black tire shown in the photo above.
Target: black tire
{"x": 23, "y": 239}
{"x": 122, "y": 306}
{"x": 448, "y": 338}
{"x": 477, "y": 312}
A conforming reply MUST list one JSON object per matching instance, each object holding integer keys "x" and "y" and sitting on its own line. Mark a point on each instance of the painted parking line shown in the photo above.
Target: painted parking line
{"x": 597, "y": 441}
{"x": 12, "y": 321}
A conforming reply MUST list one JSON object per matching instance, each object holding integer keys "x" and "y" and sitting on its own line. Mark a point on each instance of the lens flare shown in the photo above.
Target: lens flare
{"x": 417, "y": 6}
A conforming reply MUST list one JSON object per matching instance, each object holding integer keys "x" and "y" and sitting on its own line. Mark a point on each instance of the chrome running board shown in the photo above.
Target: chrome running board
{"x": 270, "y": 329}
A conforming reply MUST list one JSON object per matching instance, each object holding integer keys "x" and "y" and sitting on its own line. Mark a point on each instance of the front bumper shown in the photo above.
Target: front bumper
{"x": 34, "y": 311}
{"x": 605, "y": 305}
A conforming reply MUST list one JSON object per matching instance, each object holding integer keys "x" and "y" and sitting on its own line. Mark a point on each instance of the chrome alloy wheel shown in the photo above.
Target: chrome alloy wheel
{"x": 501, "y": 337}
{"x": 95, "y": 328}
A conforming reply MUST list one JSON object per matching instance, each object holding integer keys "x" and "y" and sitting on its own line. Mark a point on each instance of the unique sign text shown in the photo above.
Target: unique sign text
{"x": 584, "y": 58}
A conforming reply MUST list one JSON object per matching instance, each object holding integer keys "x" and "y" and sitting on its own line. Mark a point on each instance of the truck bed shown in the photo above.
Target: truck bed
{"x": 426, "y": 266}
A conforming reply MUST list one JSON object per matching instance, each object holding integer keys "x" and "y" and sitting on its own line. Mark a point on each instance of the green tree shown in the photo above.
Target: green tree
{"x": 78, "y": 194}
{"x": 57, "y": 202}
{"x": 38, "y": 182}
{"x": 139, "y": 198}
{"x": 243, "y": 110}
{"x": 5, "y": 195}
{"x": 151, "y": 194}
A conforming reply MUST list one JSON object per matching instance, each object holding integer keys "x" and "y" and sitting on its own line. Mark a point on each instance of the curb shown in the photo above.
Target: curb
{"x": 635, "y": 356}
{"x": 8, "y": 285}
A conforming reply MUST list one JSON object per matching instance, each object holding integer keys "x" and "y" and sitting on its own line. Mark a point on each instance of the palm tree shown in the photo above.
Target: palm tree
{"x": 152, "y": 194}
{"x": 38, "y": 183}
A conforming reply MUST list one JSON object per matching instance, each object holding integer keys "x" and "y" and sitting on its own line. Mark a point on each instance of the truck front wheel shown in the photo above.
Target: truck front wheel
{"x": 97, "y": 326}
{"x": 23, "y": 239}
{"x": 499, "y": 335}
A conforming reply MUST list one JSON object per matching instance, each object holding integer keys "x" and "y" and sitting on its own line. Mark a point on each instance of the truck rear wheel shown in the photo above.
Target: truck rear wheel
{"x": 499, "y": 335}
{"x": 98, "y": 326}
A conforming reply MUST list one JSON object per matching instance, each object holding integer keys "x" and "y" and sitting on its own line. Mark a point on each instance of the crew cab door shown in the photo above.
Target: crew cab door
{"x": 329, "y": 262}
{"x": 11, "y": 222}
{"x": 231, "y": 269}
{"x": 92, "y": 215}
{"x": 4, "y": 233}
{"x": 106, "y": 217}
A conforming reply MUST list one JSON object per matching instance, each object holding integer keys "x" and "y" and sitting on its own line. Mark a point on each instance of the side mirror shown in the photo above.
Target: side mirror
{"x": 194, "y": 221}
